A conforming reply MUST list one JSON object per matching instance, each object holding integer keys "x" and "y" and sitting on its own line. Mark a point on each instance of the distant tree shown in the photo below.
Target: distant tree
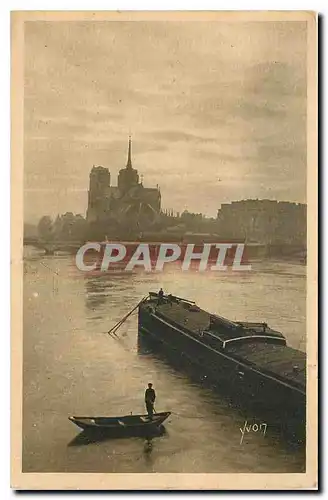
{"x": 70, "y": 227}
{"x": 45, "y": 228}
{"x": 194, "y": 222}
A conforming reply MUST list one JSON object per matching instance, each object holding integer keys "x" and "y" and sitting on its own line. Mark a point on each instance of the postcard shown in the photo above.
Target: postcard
{"x": 164, "y": 250}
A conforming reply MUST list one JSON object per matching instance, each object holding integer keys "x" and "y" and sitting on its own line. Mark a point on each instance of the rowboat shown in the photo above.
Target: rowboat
{"x": 127, "y": 424}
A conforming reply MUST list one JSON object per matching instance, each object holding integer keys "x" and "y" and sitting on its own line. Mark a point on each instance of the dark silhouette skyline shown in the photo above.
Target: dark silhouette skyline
{"x": 214, "y": 121}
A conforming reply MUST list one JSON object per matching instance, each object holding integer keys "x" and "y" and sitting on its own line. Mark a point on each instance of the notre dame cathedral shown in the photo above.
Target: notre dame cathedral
{"x": 128, "y": 204}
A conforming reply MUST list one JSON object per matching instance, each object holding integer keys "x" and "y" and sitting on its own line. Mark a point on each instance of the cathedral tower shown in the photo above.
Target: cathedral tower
{"x": 128, "y": 177}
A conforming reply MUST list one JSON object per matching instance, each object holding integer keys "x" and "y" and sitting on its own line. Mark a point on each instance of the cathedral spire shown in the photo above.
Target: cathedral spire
{"x": 129, "y": 163}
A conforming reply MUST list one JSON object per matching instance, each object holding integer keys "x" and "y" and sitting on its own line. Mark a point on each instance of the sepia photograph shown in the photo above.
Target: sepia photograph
{"x": 164, "y": 250}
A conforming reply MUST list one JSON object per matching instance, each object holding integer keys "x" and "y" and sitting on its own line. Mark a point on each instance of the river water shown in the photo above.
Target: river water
{"x": 72, "y": 367}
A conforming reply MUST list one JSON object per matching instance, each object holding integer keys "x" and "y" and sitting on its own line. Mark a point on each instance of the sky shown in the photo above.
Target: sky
{"x": 216, "y": 111}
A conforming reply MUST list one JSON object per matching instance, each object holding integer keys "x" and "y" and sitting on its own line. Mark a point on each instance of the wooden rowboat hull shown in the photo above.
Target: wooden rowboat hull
{"x": 129, "y": 424}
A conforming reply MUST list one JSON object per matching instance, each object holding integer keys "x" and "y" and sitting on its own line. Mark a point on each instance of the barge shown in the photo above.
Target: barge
{"x": 249, "y": 360}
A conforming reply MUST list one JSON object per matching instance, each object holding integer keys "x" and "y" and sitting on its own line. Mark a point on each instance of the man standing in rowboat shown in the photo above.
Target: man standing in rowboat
{"x": 150, "y": 397}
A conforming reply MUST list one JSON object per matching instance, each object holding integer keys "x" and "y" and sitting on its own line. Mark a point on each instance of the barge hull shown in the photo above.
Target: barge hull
{"x": 281, "y": 399}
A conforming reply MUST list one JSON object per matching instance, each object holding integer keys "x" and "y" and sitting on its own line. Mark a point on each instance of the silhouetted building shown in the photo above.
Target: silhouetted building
{"x": 264, "y": 221}
{"x": 99, "y": 193}
{"x": 128, "y": 177}
{"x": 120, "y": 202}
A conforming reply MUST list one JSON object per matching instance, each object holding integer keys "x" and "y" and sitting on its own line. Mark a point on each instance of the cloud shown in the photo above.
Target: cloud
{"x": 203, "y": 100}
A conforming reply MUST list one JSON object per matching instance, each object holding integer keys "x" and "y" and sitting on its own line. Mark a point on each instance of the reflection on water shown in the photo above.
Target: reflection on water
{"x": 73, "y": 367}
{"x": 86, "y": 438}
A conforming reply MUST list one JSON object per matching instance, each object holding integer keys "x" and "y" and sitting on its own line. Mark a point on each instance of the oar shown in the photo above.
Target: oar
{"x": 113, "y": 330}
{"x": 117, "y": 326}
